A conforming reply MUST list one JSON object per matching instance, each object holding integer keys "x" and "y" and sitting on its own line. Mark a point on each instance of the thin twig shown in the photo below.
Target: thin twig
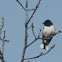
{"x": 24, "y": 8}
{"x": 32, "y": 42}
{"x": 34, "y": 11}
{"x": 3, "y": 43}
{"x": 2, "y": 23}
{"x": 21, "y": 5}
{"x": 1, "y": 27}
{"x": 3, "y": 46}
{"x": 1, "y": 56}
{"x": 1, "y": 53}
{"x": 31, "y": 26}
{"x": 33, "y": 30}
{"x": 41, "y": 54}
{"x": 5, "y": 40}
{"x": 0, "y": 33}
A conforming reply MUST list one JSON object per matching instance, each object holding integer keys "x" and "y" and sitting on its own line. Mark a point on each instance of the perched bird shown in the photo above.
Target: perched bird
{"x": 48, "y": 31}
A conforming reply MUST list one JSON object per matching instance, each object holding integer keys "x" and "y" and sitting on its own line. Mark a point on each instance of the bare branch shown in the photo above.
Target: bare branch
{"x": 0, "y": 33}
{"x": 1, "y": 56}
{"x": 41, "y": 54}
{"x": 43, "y": 38}
{"x": 21, "y": 5}
{"x": 5, "y": 40}
{"x": 2, "y": 23}
{"x": 25, "y": 32}
{"x": 3, "y": 43}
{"x": 31, "y": 26}
{"x": 33, "y": 30}
{"x": 1, "y": 26}
{"x": 1, "y": 53}
{"x": 32, "y": 42}
{"x": 24, "y": 8}
{"x": 34, "y": 11}
{"x": 26, "y": 22}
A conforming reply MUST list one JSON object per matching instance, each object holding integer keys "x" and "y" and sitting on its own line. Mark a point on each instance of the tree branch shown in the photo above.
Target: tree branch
{"x": 33, "y": 30}
{"x": 21, "y": 5}
{"x": 3, "y": 43}
{"x": 1, "y": 27}
{"x": 1, "y": 56}
{"x": 34, "y": 11}
{"x": 41, "y": 54}
{"x": 25, "y": 32}
{"x": 2, "y": 53}
{"x": 43, "y": 38}
{"x": 5, "y": 40}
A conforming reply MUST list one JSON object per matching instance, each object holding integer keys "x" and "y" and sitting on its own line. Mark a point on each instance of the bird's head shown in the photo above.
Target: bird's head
{"x": 48, "y": 23}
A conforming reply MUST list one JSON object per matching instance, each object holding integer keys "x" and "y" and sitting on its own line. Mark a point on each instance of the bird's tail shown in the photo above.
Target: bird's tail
{"x": 43, "y": 46}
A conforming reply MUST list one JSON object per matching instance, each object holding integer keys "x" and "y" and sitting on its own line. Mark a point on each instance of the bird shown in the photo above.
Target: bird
{"x": 48, "y": 31}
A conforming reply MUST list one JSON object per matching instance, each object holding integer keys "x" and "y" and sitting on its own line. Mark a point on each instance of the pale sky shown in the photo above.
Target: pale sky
{"x": 14, "y": 24}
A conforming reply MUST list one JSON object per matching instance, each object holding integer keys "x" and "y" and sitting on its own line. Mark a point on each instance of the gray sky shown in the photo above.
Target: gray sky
{"x": 14, "y": 23}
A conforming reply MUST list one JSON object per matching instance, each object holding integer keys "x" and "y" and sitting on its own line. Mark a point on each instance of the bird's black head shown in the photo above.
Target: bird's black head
{"x": 48, "y": 23}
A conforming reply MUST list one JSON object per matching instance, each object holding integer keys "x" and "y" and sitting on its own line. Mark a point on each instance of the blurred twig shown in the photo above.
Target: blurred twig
{"x": 3, "y": 43}
{"x": 1, "y": 27}
{"x": 1, "y": 57}
{"x": 2, "y": 53}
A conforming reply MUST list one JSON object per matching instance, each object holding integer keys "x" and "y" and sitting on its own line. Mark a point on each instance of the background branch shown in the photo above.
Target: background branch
{"x": 3, "y": 43}
{"x": 1, "y": 56}
{"x": 1, "y": 27}
{"x": 2, "y": 53}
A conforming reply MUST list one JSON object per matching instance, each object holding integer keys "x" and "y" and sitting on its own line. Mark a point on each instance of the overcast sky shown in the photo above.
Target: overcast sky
{"x": 14, "y": 24}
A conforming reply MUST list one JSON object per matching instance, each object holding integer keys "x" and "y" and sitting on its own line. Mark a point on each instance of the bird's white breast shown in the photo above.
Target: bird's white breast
{"x": 48, "y": 30}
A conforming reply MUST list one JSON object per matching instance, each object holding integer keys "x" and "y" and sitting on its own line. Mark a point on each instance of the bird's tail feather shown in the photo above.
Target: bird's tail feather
{"x": 43, "y": 46}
